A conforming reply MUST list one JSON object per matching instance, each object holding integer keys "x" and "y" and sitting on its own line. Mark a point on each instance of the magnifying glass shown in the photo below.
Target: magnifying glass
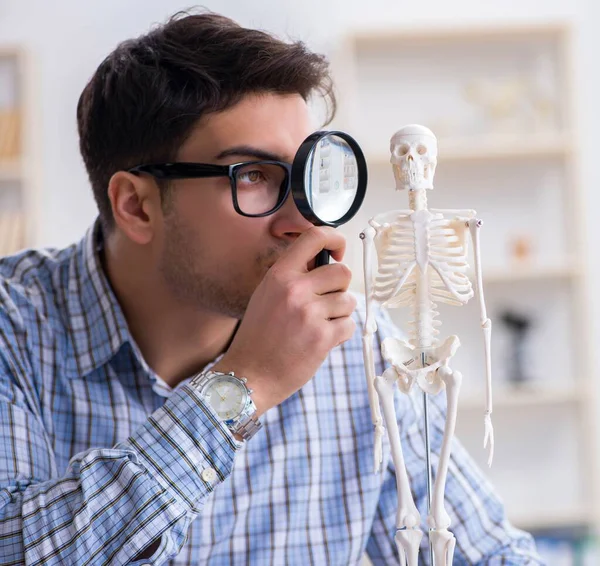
{"x": 329, "y": 180}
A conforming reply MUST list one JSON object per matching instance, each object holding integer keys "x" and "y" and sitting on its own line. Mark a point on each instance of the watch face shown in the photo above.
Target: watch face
{"x": 226, "y": 396}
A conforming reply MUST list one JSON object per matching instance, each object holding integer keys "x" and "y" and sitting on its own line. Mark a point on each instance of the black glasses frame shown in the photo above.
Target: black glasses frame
{"x": 183, "y": 170}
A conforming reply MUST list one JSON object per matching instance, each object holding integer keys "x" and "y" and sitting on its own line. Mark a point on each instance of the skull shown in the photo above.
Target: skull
{"x": 414, "y": 157}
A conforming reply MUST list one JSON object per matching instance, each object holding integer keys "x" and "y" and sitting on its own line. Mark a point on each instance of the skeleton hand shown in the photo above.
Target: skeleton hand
{"x": 489, "y": 437}
{"x": 370, "y": 325}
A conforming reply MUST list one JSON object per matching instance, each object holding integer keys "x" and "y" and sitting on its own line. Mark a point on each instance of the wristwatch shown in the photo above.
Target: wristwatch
{"x": 230, "y": 398}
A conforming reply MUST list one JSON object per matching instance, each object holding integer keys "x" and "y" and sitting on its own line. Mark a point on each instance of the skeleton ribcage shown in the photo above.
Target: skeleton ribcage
{"x": 400, "y": 271}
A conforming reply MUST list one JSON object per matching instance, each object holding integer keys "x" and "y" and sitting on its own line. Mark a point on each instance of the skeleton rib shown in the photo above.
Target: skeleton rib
{"x": 446, "y": 297}
{"x": 395, "y": 249}
{"x": 451, "y": 251}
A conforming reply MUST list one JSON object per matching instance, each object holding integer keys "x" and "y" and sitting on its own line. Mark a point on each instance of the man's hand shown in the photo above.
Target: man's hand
{"x": 294, "y": 318}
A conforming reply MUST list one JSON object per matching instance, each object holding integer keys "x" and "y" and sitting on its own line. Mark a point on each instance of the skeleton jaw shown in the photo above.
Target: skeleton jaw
{"x": 410, "y": 176}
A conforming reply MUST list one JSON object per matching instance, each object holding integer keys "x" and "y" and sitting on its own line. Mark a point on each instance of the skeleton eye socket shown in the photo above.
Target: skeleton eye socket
{"x": 403, "y": 149}
{"x": 421, "y": 150}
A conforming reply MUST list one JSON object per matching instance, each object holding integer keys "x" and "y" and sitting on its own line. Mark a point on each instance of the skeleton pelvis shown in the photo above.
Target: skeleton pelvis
{"x": 405, "y": 360}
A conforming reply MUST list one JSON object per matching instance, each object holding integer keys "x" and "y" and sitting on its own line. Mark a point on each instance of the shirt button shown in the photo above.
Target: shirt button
{"x": 209, "y": 475}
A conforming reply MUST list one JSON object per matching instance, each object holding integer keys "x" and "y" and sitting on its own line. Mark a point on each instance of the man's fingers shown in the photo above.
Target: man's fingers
{"x": 344, "y": 328}
{"x": 308, "y": 245}
{"x": 330, "y": 278}
{"x": 338, "y": 305}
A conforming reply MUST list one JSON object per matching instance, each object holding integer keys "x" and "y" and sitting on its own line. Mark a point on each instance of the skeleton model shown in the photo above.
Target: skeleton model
{"x": 422, "y": 260}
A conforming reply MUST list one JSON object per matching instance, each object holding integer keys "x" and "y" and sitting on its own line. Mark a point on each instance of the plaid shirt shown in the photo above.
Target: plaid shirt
{"x": 99, "y": 457}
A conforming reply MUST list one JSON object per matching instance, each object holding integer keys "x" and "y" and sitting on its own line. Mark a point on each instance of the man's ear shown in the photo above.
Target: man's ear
{"x": 136, "y": 205}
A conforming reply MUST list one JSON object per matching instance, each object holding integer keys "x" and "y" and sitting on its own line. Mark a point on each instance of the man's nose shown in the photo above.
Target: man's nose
{"x": 288, "y": 222}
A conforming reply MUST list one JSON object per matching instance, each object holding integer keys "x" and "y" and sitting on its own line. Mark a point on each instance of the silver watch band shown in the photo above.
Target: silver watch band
{"x": 247, "y": 427}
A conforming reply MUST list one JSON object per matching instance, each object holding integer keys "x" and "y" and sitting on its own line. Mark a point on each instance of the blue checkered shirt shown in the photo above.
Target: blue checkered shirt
{"x": 100, "y": 459}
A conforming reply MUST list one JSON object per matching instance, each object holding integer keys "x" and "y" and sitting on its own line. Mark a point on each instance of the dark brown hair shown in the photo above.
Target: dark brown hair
{"x": 146, "y": 96}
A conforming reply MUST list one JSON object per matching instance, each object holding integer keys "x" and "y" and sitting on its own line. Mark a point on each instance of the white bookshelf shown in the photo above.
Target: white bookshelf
{"x": 514, "y": 160}
{"x": 16, "y": 198}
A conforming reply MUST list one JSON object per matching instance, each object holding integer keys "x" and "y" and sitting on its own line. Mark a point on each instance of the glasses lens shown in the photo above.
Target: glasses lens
{"x": 260, "y": 187}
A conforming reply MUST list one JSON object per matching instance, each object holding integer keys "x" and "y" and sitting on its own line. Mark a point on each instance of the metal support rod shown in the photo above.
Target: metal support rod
{"x": 427, "y": 457}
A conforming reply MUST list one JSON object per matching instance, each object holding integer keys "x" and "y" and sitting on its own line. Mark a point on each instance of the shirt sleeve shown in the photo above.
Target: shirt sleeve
{"x": 483, "y": 534}
{"x": 111, "y": 503}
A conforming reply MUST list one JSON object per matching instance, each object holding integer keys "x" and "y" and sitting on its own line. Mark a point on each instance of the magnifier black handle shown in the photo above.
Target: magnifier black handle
{"x": 322, "y": 258}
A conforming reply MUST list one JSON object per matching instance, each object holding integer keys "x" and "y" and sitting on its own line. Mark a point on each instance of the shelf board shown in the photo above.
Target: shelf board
{"x": 531, "y": 397}
{"x": 489, "y": 148}
{"x": 569, "y": 518}
{"x": 10, "y": 170}
{"x": 456, "y": 34}
{"x": 516, "y": 272}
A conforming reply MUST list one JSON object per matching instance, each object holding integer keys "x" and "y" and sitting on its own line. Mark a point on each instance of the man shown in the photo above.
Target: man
{"x": 111, "y": 453}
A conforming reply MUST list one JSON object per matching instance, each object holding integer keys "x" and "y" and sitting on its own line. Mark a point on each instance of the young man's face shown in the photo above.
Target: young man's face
{"x": 214, "y": 258}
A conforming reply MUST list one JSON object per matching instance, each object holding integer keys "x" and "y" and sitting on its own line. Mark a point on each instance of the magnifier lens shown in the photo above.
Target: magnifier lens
{"x": 331, "y": 178}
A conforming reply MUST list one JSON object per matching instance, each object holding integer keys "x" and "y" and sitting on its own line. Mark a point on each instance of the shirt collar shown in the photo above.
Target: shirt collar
{"x": 96, "y": 323}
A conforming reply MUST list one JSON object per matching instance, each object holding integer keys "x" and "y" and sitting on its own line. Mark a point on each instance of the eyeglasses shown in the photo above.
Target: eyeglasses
{"x": 258, "y": 188}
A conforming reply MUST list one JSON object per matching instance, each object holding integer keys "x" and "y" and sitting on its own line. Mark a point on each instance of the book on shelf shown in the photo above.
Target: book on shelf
{"x": 9, "y": 134}
{"x": 12, "y": 232}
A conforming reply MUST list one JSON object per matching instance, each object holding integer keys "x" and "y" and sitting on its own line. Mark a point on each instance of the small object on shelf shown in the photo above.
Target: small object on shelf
{"x": 513, "y": 106}
{"x": 518, "y": 325}
{"x": 544, "y": 114}
{"x": 9, "y": 134}
{"x": 521, "y": 248}
{"x": 500, "y": 102}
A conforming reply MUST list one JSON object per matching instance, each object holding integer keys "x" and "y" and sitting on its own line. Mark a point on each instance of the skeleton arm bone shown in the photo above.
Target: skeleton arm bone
{"x": 368, "y": 236}
{"x": 486, "y": 324}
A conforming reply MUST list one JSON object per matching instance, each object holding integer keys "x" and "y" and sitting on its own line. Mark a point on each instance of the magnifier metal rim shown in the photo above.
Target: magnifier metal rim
{"x": 298, "y": 172}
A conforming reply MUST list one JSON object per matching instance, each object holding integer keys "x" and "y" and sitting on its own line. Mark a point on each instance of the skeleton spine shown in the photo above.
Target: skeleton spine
{"x": 422, "y": 326}
{"x": 423, "y": 323}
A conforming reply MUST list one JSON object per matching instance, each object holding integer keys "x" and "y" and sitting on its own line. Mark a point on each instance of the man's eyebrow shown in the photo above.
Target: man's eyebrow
{"x": 247, "y": 150}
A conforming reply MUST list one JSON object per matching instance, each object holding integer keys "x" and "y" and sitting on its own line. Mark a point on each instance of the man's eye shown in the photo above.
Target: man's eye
{"x": 251, "y": 176}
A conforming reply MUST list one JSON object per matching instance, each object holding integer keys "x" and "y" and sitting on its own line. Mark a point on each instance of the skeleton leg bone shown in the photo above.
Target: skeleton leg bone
{"x": 408, "y": 536}
{"x": 443, "y": 541}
